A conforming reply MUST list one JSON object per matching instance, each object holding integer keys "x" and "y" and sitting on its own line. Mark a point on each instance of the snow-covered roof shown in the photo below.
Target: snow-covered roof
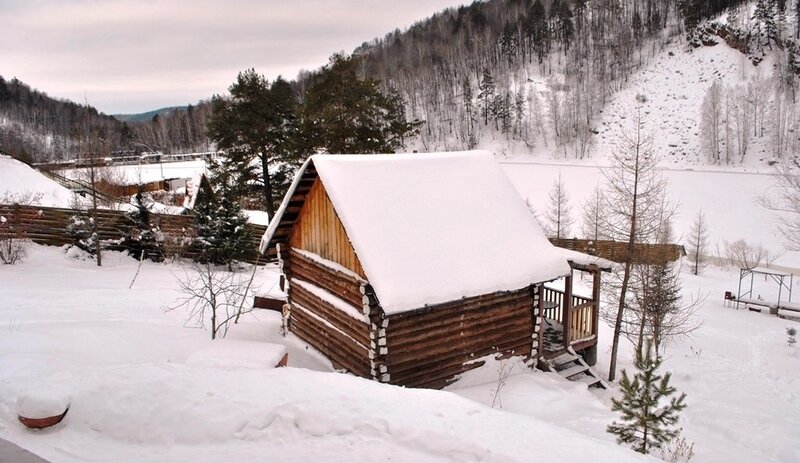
{"x": 432, "y": 228}
{"x": 587, "y": 260}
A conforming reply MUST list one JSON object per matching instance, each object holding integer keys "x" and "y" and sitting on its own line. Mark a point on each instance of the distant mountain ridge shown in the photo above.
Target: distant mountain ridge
{"x": 148, "y": 116}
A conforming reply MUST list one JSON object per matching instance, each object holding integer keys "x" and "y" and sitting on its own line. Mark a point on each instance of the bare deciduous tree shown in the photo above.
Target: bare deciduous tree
{"x": 745, "y": 255}
{"x": 212, "y": 294}
{"x": 698, "y": 242}
{"x": 712, "y": 122}
{"x": 634, "y": 208}
{"x": 558, "y": 219}
{"x": 786, "y": 202}
{"x": 591, "y": 216}
{"x": 657, "y": 310}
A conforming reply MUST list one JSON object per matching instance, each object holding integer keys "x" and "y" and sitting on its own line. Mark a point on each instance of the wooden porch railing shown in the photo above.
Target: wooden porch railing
{"x": 582, "y": 319}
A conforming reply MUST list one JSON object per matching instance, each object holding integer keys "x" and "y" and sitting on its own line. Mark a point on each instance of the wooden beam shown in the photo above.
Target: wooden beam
{"x": 566, "y": 321}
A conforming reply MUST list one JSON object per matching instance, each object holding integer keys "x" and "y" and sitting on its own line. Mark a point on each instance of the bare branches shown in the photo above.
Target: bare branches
{"x": 745, "y": 255}
{"x": 558, "y": 219}
{"x": 786, "y": 203}
{"x": 698, "y": 243}
{"x": 212, "y": 295}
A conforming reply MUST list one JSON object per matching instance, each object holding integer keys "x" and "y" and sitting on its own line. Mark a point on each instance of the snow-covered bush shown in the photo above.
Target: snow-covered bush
{"x": 80, "y": 230}
{"x": 791, "y": 332}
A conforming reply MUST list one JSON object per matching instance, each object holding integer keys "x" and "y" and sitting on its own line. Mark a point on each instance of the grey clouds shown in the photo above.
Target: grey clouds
{"x": 130, "y": 56}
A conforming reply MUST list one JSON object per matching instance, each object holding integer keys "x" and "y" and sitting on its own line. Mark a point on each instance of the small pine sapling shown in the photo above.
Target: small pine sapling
{"x": 648, "y": 406}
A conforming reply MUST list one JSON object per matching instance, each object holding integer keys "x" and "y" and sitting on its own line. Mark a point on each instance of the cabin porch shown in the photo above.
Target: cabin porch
{"x": 582, "y": 313}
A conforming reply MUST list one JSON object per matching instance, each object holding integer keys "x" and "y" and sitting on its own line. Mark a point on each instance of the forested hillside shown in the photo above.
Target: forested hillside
{"x": 514, "y": 76}
{"x": 524, "y": 75}
{"x": 35, "y": 127}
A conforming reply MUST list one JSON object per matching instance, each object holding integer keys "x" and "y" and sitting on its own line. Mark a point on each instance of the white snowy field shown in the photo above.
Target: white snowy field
{"x": 137, "y": 395}
{"x": 145, "y": 173}
{"x": 728, "y": 199}
{"x": 74, "y": 330}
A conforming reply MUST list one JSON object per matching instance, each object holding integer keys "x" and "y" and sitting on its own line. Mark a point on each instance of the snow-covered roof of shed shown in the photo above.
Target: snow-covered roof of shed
{"x": 587, "y": 260}
{"x": 432, "y": 228}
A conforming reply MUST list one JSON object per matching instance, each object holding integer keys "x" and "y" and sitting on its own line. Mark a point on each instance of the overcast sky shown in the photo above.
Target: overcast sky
{"x": 132, "y": 56}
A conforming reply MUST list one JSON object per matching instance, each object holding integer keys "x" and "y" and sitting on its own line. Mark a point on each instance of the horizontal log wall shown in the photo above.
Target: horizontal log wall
{"x": 340, "y": 337}
{"x": 345, "y": 286}
{"x": 431, "y": 346}
{"x": 48, "y": 226}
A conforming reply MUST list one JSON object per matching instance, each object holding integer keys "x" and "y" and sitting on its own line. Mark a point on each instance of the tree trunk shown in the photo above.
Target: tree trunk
{"x": 94, "y": 214}
{"x": 612, "y": 369}
{"x": 267, "y": 184}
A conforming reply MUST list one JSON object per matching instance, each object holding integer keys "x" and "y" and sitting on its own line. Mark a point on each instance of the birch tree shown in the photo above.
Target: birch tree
{"x": 711, "y": 123}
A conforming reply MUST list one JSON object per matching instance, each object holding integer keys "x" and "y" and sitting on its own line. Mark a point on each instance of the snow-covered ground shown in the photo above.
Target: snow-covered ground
{"x": 728, "y": 200}
{"x": 136, "y": 395}
{"x": 146, "y": 173}
{"x": 17, "y": 180}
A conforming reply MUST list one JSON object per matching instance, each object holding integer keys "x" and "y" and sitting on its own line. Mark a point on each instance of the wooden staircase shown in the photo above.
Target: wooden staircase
{"x": 572, "y": 367}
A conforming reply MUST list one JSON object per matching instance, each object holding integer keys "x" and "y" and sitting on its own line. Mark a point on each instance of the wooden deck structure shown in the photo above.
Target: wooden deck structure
{"x": 571, "y": 320}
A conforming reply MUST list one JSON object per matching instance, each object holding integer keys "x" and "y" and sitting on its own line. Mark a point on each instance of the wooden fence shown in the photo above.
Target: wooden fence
{"x": 48, "y": 226}
{"x": 616, "y": 251}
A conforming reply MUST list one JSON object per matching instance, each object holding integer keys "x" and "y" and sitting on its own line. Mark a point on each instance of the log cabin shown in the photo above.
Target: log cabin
{"x": 410, "y": 269}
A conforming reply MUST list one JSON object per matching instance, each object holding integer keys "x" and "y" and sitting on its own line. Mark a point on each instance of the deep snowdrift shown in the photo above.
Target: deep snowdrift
{"x": 18, "y": 180}
{"x": 135, "y": 397}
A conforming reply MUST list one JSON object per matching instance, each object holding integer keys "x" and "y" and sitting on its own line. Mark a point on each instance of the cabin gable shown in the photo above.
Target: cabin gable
{"x": 319, "y": 230}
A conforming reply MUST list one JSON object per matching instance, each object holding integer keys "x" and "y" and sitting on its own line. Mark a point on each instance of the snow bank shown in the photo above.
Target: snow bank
{"x": 232, "y": 353}
{"x": 201, "y": 414}
{"x": 18, "y": 179}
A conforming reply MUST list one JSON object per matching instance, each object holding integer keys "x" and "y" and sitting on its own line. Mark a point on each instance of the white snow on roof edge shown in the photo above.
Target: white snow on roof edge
{"x": 581, "y": 258}
{"x": 273, "y": 224}
{"x": 431, "y": 228}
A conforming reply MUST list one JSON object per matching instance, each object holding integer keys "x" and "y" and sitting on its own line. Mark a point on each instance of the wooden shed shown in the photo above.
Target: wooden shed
{"x": 410, "y": 268}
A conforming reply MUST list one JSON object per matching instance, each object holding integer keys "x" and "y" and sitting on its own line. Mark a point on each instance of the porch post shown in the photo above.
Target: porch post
{"x": 566, "y": 314}
{"x": 596, "y": 274}
{"x": 590, "y": 354}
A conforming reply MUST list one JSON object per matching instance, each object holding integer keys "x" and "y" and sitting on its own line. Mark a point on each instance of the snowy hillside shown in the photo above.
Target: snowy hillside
{"x": 18, "y": 180}
{"x": 674, "y": 86}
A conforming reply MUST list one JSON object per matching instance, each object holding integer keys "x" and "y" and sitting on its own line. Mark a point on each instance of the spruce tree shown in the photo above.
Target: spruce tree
{"x": 222, "y": 235}
{"x": 486, "y": 94}
{"x": 143, "y": 239}
{"x": 648, "y": 407}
